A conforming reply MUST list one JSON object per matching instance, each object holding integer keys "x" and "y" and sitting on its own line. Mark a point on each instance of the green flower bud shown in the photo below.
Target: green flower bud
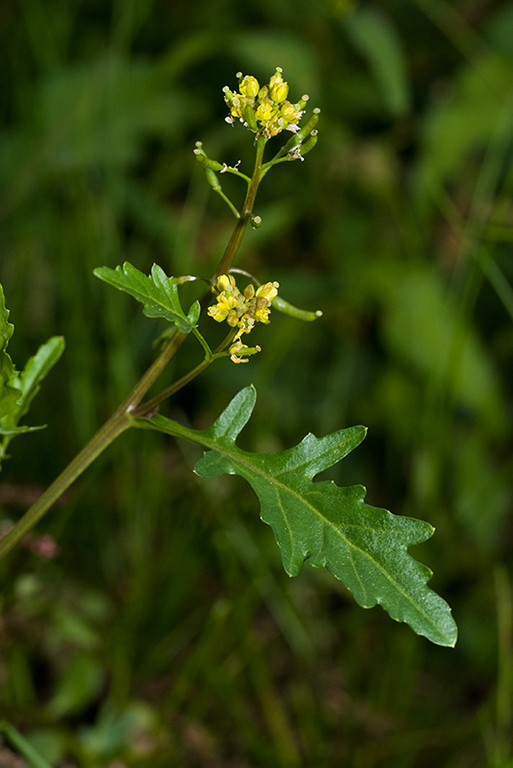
{"x": 250, "y": 118}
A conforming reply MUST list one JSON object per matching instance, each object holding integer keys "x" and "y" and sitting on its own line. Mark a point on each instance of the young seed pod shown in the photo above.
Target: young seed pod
{"x": 303, "y": 132}
{"x": 207, "y": 162}
{"x": 308, "y": 144}
{"x": 309, "y": 125}
{"x": 300, "y": 314}
{"x": 213, "y": 180}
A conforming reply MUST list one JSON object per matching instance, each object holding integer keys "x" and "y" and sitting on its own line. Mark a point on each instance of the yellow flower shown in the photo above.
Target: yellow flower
{"x": 264, "y": 110}
{"x": 242, "y": 311}
{"x": 269, "y": 291}
{"x": 227, "y": 301}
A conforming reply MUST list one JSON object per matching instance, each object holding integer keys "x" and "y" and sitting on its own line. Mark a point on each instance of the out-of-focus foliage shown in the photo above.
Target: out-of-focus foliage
{"x": 399, "y": 227}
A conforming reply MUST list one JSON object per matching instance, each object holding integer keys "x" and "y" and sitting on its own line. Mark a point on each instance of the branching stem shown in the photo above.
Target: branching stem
{"x": 132, "y": 407}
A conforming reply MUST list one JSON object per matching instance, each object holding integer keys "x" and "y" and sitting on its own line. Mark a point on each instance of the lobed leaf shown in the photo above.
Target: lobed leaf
{"x": 330, "y": 526}
{"x": 157, "y": 293}
{"x": 18, "y": 390}
{"x": 36, "y": 369}
{"x": 9, "y": 392}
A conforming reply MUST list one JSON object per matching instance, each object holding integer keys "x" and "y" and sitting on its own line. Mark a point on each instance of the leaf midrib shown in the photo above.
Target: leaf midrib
{"x": 237, "y": 456}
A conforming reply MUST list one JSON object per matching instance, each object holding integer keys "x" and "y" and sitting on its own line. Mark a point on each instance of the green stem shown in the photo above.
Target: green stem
{"x": 23, "y": 746}
{"x": 122, "y": 418}
{"x": 247, "y": 209}
{"x": 113, "y": 427}
{"x": 149, "y": 405}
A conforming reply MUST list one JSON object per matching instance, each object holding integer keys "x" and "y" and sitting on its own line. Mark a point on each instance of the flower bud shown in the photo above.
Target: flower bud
{"x": 265, "y": 112}
{"x": 249, "y": 118}
{"x": 269, "y": 291}
{"x": 225, "y": 283}
{"x": 249, "y": 86}
{"x": 278, "y": 89}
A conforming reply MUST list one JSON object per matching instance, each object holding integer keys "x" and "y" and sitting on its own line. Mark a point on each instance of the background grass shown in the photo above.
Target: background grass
{"x": 164, "y": 631}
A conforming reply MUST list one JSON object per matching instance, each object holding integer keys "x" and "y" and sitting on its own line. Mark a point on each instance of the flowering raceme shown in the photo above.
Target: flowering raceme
{"x": 264, "y": 110}
{"x": 242, "y": 310}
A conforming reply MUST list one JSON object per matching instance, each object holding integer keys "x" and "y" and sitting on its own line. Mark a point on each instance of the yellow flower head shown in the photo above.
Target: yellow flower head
{"x": 265, "y": 110}
{"x": 242, "y": 310}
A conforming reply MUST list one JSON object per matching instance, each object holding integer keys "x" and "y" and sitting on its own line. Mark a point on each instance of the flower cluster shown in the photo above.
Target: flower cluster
{"x": 242, "y": 310}
{"x": 264, "y": 110}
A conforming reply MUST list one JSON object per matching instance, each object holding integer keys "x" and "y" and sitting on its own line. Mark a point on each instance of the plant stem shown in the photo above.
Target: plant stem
{"x": 247, "y": 209}
{"x": 23, "y": 746}
{"x": 113, "y": 427}
{"x": 122, "y": 418}
{"x": 150, "y": 405}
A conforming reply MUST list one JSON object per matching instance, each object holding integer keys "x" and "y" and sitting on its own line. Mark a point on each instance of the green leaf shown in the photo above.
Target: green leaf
{"x": 330, "y": 526}
{"x": 156, "y": 292}
{"x": 377, "y": 40}
{"x": 27, "y": 386}
{"x": 18, "y": 390}
{"x": 9, "y": 392}
{"x": 36, "y": 369}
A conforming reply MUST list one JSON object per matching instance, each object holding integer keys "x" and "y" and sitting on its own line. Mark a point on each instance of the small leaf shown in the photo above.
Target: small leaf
{"x": 156, "y": 292}
{"x": 363, "y": 546}
{"x": 36, "y": 370}
{"x": 9, "y": 392}
{"x": 13, "y": 431}
{"x": 27, "y": 386}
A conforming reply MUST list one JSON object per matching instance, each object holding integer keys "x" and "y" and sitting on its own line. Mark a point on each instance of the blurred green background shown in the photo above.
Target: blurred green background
{"x": 164, "y": 631}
